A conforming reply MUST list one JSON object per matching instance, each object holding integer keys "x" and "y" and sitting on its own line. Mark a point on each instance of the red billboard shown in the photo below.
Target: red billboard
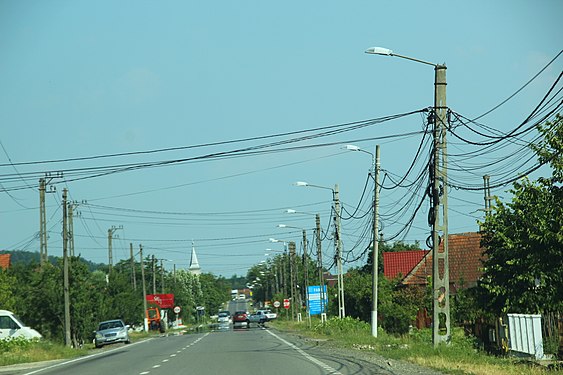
{"x": 164, "y": 301}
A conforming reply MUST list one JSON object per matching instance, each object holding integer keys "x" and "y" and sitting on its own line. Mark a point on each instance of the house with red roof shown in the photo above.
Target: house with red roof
{"x": 4, "y": 261}
{"x": 465, "y": 263}
{"x": 401, "y": 263}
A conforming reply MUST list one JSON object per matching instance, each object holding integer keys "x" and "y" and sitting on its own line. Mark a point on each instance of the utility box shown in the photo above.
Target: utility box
{"x": 525, "y": 334}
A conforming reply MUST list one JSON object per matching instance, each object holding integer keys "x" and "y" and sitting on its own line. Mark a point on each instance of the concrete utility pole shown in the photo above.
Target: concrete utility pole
{"x": 111, "y": 231}
{"x": 66, "y": 291}
{"x": 42, "y": 223}
{"x": 375, "y": 254}
{"x": 144, "y": 287}
{"x": 162, "y": 275}
{"x": 320, "y": 261}
{"x": 153, "y": 275}
{"x": 305, "y": 267}
{"x": 440, "y": 263}
{"x": 292, "y": 277}
{"x": 488, "y": 198}
{"x": 338, "y": 245}
{"x": 133, "y": 275}
{"x": 43, "y": 183}
{"x": 438, "y": 202}
{"x": 70, "y": 229}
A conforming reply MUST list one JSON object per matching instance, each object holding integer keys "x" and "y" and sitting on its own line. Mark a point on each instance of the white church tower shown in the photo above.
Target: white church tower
{"x": 194, "y": 269}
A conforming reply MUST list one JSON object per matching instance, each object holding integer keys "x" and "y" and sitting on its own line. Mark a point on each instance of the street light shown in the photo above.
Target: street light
{"x": 375, "y": 253}
{"x": 439, "y": 201}
{"x": 338, "y": 243}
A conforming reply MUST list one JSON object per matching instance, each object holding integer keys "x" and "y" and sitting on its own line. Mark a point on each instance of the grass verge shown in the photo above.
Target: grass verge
{"x": 460, "y": 357}
{"x": 23, "y": 351}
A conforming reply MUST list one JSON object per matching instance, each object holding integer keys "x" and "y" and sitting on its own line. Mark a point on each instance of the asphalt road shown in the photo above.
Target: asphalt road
{"x": 227, "y": 351}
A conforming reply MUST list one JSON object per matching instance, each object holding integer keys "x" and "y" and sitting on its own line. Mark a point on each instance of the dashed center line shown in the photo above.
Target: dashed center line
{"x": 175, "y": 354}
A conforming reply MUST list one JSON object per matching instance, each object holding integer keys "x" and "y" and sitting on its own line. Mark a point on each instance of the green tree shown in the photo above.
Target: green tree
{"x": 523, "y": 270}
{"x": 7, "y": 297}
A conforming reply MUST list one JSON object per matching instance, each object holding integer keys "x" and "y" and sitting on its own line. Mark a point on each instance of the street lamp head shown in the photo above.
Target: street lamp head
{"x": 379, "y": 51}
{"x": 290, "y": 211}
{"x": 352, "y": 148}
{"x": 301, "y": 183}
{"x": 282, "y": 226}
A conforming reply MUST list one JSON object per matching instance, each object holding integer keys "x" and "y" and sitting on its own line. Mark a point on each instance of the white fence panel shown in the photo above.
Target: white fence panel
{"x": 525, "y": 334}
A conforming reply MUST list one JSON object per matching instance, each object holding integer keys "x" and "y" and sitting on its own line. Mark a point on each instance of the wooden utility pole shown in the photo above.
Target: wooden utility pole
{"x": 66, "y": 291}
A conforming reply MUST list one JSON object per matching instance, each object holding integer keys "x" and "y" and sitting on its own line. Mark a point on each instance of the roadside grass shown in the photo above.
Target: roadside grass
{"x": 23, "y": 351}
{"x": 460, "y": 357}
{"x": 17, "y": 351}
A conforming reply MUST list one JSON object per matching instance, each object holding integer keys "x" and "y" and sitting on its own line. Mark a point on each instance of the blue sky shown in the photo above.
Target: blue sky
{"x": 89, "y": 78}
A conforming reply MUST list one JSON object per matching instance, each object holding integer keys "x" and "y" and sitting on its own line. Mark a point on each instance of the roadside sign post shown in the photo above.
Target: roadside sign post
{"x": 317, "y": 301}
{"x": 177, "y": 310}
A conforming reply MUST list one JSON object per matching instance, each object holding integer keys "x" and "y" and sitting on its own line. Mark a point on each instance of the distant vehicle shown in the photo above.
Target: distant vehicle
{"x": 268, "y": 314}
{"x": 259, "y": 319}
{"x": 111, "y": 331}
{"x": 224, "y": 317}
{"x": 11, "y": 326}
{"x": 241, "y": 296}
{"x": 240, "y": 319}
{"x": 155, "y": 321}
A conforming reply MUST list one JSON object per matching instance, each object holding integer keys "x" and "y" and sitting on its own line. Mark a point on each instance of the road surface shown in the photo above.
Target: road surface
{"x": 234, "y": 352}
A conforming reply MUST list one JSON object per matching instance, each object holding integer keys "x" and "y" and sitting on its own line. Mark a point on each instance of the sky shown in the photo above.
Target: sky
{"x": 236, "y": 101}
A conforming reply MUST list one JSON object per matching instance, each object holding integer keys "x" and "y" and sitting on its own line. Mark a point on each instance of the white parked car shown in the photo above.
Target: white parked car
{"x": 11, "y": 327}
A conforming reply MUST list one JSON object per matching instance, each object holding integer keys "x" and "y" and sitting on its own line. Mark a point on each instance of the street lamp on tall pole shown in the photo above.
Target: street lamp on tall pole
{"x": 375, "y": 230}
{"x": 338, "y": 242}
{"x": 439, "y": 202}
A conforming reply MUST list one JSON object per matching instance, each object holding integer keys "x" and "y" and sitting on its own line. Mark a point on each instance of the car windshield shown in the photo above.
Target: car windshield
{"x": 110, "y": 325}
{"x": 222, "y": 315}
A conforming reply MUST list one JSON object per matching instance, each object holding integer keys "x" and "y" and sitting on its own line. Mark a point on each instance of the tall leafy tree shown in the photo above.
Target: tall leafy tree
{"x": 523, "y": 239}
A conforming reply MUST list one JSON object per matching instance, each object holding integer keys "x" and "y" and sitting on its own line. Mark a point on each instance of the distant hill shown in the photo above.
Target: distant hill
{"x": 28, "y": 257}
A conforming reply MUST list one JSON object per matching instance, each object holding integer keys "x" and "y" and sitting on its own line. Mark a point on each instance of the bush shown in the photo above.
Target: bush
{"x": 398, "y": 320}
{"x": 16, "y": 343}
{"x": 336, "y": 326}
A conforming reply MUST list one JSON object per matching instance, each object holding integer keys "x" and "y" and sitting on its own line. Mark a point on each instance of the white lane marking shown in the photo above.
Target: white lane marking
{"x": 309, "y": 357}
{"x": 85, "y": 357}
{"x": 174, "y": 354}
{"x": 144, "y": 373}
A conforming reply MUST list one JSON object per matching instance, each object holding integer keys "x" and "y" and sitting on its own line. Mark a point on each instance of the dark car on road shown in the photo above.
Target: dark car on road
{"x": 111, "y": 331}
